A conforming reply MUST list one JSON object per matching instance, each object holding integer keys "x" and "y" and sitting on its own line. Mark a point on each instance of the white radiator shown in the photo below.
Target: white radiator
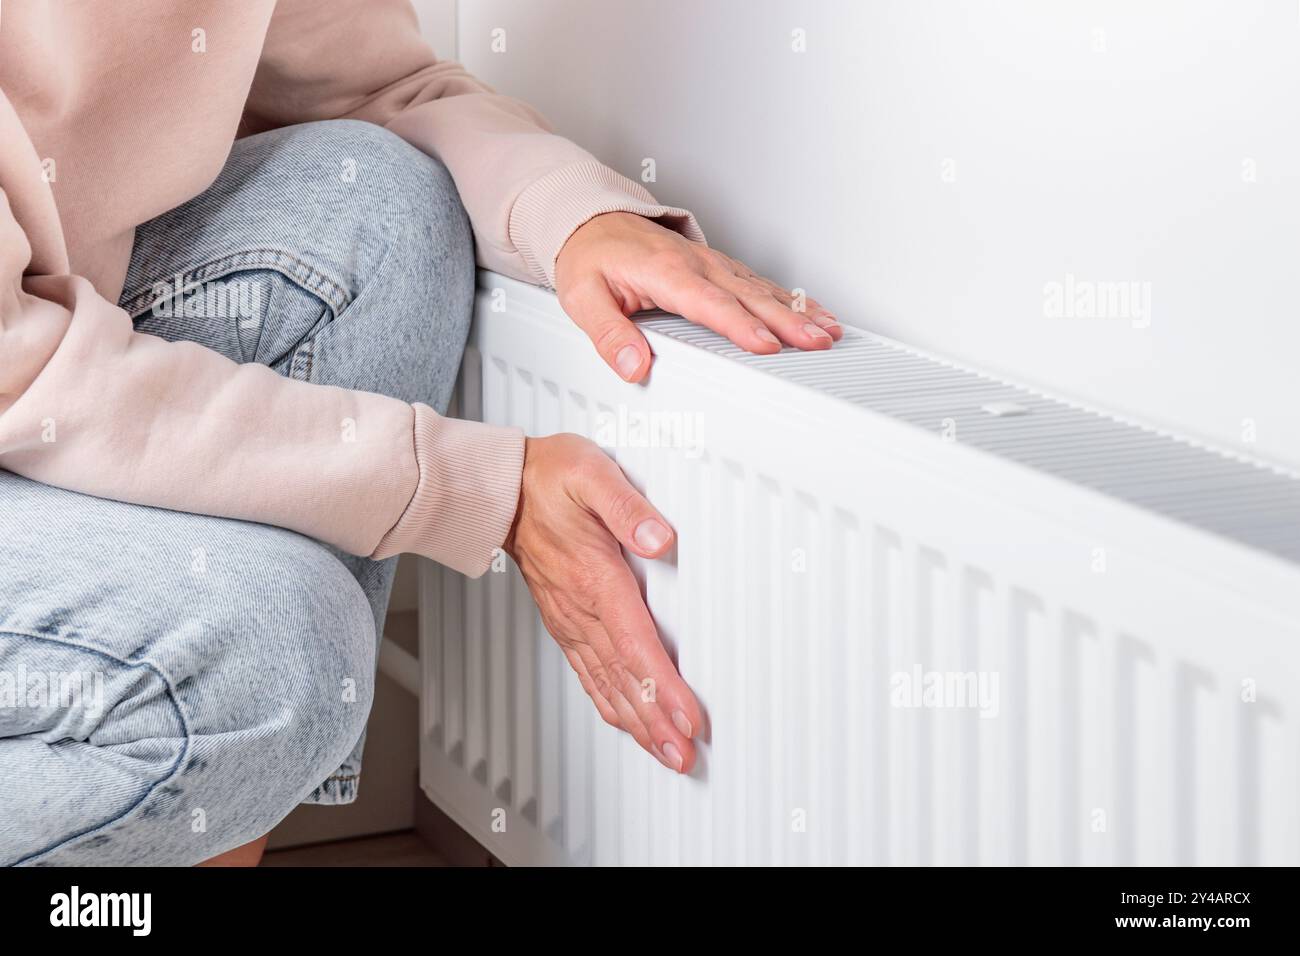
{"x": 933, "y": 618}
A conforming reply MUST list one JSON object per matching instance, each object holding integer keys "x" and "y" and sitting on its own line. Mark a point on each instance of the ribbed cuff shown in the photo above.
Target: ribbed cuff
{"x": 467, "y": 494}
{"x": 549, "y": 211}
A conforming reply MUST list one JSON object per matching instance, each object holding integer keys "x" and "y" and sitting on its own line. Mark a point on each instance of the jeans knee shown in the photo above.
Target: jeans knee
{"x": 410, "y": 247}
{"x": 363, "y": 188}
{"x": 388, "y": 193}
{"x": 202, "y": 692}
{"x": 291, "y": 697}
{"x": 430, "y": 256}
{"x": 313, "y": 657}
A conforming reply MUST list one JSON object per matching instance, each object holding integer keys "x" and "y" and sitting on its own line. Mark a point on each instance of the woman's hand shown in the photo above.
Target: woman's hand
{"x": 575, "y": 509}
{"x": 619, "y": 263}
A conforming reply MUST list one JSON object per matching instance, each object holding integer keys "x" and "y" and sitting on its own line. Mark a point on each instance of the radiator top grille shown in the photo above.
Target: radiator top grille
{"x": 1235, "y": 497}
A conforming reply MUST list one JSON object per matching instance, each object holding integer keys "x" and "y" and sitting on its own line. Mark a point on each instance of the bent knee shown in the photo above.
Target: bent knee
{"x": 278, "y": 683}
{"x": 370, "y": 180}
{"x": 405, "y": 203}
{"x": 194, "y": 702}
{"x": 298, "y": 655}
{"x": 395, "y": 218}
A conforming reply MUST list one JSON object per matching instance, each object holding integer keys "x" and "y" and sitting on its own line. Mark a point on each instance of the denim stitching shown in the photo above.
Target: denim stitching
{"x": 171, "y": 696}
{"x": 302, "y": 360}
{"x": 281, "y": 260}
{"x": 308, "y": 347}
{"x": 333, "y": 293}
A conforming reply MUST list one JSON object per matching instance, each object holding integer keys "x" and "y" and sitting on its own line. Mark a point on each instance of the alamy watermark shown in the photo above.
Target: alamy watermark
{"x": 133, "y": 911}
{"x": 44, "y": 689}
{"x": 235, "y": 299}
{"x": 624, "y": 428}
{"x": 1074, "y": 298}
{"x": 945, "y": 690}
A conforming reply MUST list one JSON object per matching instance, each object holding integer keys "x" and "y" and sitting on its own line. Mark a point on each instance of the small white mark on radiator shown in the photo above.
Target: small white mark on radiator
{"x": 1004, "y": 409}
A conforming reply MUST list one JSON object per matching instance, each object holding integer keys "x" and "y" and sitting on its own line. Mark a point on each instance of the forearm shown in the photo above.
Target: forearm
{"x": 107, "y": 411}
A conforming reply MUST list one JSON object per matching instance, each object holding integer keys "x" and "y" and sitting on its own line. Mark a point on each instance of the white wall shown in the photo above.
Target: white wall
{"x": 927, "y": 168}
{"x": 438, "y": 25}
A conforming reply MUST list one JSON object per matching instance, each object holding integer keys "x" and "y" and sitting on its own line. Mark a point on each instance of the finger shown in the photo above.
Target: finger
{"x": 603, "y": 706}
{"x": 635, "y": 699}
{"x": 592, "y": 650}
{"x": 620, "y": 343}
{"x": 567, "y": 634}
{"x": 803, "y": 304}
{"x": 605, "y": 491}
{"x": 791, "y": 327}
{"x": 662, "y": 699}
{"x": 705, "y": 303}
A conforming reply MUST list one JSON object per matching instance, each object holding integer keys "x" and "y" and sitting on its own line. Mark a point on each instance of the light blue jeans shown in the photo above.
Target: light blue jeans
{"x": 171, "y": 685}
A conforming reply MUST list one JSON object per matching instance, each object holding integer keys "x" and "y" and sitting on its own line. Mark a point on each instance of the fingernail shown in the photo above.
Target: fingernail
{"x": 682, "y": 724}
{"x": 816, "y": 331}
{"x": 767, "y": 336}
{"x": 673, "y": 757}
{"x": 628, "y": 360}
{"x": 650, "y": 535}
{"x": 826, "y": 321}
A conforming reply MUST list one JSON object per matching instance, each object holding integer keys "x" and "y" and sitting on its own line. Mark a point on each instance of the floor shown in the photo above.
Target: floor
{"x": 390, "y": 849}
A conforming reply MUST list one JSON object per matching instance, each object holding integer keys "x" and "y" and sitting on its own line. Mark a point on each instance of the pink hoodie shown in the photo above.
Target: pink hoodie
{"x": 111, "y": 113}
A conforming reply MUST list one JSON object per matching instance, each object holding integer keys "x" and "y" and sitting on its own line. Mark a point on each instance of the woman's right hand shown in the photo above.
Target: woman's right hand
{"x": 575, "y": 509}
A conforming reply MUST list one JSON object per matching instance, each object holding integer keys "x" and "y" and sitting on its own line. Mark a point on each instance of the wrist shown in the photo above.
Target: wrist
{"x": 549, "y": 211}
{"x": 467, "y": 493}
{"x": 596, "y": 230}
{"x": 508, "y": 545}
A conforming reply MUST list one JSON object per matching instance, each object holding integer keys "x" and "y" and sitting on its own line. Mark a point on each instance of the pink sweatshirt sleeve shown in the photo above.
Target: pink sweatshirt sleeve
{"x": 88, "y": 404}
{"x": 526, "y": 189}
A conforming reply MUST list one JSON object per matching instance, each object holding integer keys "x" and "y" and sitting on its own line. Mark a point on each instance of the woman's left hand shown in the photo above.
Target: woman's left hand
{"x": 619, "y": 263}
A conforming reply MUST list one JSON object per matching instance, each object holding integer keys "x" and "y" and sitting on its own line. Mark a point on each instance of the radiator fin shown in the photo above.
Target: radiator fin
{"x": 1226, "y": 494}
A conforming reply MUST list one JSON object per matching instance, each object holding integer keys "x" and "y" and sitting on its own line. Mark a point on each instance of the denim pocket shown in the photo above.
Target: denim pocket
{"x": 254, "y": 306}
